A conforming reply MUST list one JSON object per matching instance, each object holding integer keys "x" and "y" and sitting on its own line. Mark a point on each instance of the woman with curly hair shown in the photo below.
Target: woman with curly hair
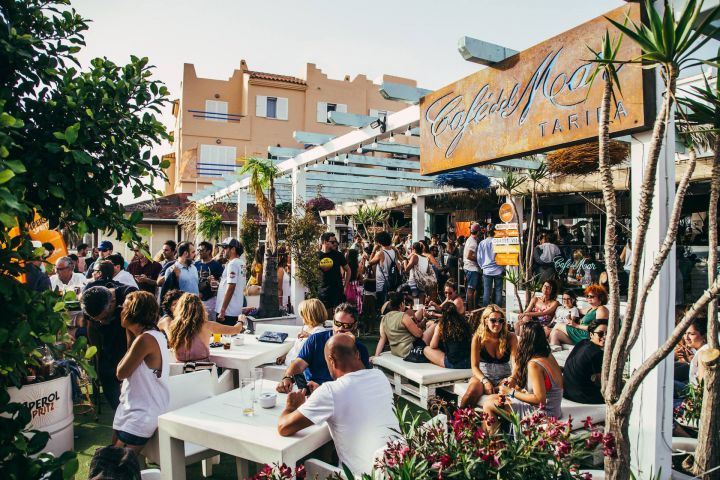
{"x": 537, "y": 381}
{"x": 144, "y": 371}
{"x": 190, "y": 332}
{"x": 168, "y": 305}
{"x": 450, "y": 343}
{"x": 572, "y": 333}
{"x": 493, "y": 346}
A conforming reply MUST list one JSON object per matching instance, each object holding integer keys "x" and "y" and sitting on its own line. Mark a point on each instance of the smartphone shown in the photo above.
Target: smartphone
{"x": 301, "y": 383}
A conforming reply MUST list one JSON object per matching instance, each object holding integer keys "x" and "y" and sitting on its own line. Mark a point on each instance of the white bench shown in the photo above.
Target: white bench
{"x": 561, "y": 356}
{"x": 578, "y": 412}
{"x": 417, "y": 382}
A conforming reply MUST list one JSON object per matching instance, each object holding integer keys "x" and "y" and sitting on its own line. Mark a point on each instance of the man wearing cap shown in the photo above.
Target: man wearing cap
{"x": 65, "y": 278}
{"x": 106, "y": 249}
{"x": 101, "y": 307}
{"x": 492, "y": 273}
{"x": 470, "y": 265}
{"x": 35, "y": 276}
{"x": 229, "y": 301}
{"x": 184, "y": 270}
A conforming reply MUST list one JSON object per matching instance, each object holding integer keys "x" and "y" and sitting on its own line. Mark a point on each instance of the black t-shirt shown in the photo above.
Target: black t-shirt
{"x": 213, "y": 268}
{"x": 331, "y": 278}
{"x": 584, "y": 361}
{"x": 110, "y": 339}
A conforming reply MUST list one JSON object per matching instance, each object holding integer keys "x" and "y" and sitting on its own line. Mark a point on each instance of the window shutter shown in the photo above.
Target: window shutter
{"x": 261, "y": 106}
{"x": 341, "y": 107}
{"x": 282, "y": 108}
{"x": 220, "y": 109}
{"x": 322, "y": 112}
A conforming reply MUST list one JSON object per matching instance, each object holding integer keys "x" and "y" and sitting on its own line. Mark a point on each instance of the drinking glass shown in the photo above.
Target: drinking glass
{"x": 216, "y": 337}
{"x": 258, "y": 377}
{"x": 247, "y": 396}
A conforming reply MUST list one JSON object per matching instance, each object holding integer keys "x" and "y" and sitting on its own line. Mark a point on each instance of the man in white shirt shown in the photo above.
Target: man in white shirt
{"x": 357, "y": 406}
{"x": 122, "y": 275}
{"x": 492, "y": 273}
{"x": 65, "y": 279}
{"x": 544, "y": 258}
{"x": 470, "y": 265}
{"x": 230, "y": 298}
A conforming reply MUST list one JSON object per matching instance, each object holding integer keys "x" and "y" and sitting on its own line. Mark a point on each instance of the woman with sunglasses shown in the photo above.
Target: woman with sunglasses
{"x": 450, "y": 344}
{"x": 572, "y": 333}
{"x": 538, "y": 371}
{"x": 581, "y": 374}
{"x": 493, "y": 345}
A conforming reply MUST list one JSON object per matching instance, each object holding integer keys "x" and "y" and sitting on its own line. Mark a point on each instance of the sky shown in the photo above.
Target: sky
{"x": 410, "y": 39}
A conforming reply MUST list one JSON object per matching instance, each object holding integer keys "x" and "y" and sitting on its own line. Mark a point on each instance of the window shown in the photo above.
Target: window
{"x": 214, "y": 160}
{"x": 216, "y": 111}
{"x": 323, "y": 108}
{"x": 271, "y": 107}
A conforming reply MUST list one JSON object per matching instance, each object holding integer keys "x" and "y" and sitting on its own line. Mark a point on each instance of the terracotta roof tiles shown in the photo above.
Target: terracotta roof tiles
{"x": 276, "y": 78}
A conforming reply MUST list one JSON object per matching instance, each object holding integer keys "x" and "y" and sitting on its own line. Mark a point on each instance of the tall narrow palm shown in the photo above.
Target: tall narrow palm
{"x": 667, "y": 44}
{"x": 262, "y": 178}
{"x": 700, "y": 116}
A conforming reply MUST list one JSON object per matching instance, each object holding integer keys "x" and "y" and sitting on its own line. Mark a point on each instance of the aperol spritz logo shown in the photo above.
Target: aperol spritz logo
{"x": 540, "y": 98}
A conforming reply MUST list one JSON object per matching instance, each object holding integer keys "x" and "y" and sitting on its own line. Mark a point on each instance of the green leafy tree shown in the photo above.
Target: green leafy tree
{"x": 70, "y": 142}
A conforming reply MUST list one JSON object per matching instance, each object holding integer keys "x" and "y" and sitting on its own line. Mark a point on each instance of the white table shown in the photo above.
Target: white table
{"x": 218, "y": 423}
{"x": 244, "y": 358}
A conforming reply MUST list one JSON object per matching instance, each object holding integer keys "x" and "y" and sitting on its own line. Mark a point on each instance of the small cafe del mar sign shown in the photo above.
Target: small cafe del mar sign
{"x": 534, "y": 101}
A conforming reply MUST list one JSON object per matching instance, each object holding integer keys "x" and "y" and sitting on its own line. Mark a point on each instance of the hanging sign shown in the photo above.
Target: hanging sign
{"x": 534, "y": 101}
{"x": 506, "y": 242}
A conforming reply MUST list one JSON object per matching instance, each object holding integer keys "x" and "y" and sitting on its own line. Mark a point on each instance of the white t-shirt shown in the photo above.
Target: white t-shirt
{"x": 234, "y": 273}
{"x": 358, "y": 408}
{"x": 695, "y": 365}
{"x": 471, "y": 245}
{"x": 293, "y": 353}
{"x": 564, "y": 314}
{"x": 125, "y": 278}
{"x": 77, "y": 280}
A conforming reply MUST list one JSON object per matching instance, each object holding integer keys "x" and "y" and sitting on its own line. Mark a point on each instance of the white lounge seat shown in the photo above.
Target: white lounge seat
{"x": 185, "y": 390}
{"x": 417, "y": 382}
{"x": 577, "y": 411}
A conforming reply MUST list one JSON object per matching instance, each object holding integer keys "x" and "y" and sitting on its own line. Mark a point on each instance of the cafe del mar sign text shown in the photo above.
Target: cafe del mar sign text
{"x": 537, "y": 100}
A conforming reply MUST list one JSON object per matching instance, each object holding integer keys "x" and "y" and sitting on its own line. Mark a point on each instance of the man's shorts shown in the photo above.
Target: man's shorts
{"x": 472, "y": 279}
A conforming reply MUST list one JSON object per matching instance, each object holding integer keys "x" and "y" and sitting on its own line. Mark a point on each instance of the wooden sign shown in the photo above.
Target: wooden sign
{"x": 534, "y": 101}
{"x": 507, "y": 259}
{"x": 506, "y": 212}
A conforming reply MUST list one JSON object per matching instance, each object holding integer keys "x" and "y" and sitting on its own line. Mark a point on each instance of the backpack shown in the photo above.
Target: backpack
{"x": 425, "y": 281}
{"x": 392, "y": 279}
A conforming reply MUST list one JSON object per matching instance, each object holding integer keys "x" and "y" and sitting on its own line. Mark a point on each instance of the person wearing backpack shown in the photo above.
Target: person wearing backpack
{"x": 422, "y": 279}
{"x": 386, "y": 261}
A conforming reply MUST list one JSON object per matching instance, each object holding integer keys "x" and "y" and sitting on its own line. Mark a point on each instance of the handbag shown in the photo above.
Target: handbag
{"x": 425, "y": 281}
{"x": 416, "y": 354}
{"x": 353, "y": 295}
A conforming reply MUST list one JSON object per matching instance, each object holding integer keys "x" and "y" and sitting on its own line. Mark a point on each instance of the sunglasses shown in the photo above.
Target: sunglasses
{"x": 591, "y": 296}
{"x": 496, "y": 321}
{"x": 346, "y": 326}
{"x": 600, "y": 334}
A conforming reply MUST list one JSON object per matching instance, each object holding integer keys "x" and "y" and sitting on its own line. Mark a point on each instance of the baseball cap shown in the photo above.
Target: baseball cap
{"x": 229, "y": 242}
{"x": 475, "y": 228}
{"x": 105, "y": 245}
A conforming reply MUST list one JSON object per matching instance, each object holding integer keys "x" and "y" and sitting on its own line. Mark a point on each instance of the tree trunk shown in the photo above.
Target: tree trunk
{"x": 617, "y": 423}
{"x": 707, "y": 455}
{"x": 269, "y": 302}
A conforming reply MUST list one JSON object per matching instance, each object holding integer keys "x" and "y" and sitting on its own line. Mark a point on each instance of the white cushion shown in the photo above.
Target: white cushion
{"x": 578, "y": 411}
{"x": 422, "y": 373}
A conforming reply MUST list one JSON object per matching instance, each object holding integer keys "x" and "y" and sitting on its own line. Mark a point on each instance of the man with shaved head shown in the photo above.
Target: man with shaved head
{"x": 357, "y": 406}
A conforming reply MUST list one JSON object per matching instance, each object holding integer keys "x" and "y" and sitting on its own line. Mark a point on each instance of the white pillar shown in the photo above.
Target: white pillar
{"x": 299, "y": 187}
{"x": 241, "y": 209}
{"x": 418, "y": 218}
{"x": 331, "y": 222}
{"x": 651, "y": 419}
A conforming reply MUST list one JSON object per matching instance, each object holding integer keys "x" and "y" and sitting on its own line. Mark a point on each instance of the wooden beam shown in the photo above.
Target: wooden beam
{"x": 347, "y": 183}
{"x": 284, "y": 151}
{"x": 484, "y": 53}
{"x": 362, "y": 180}
{"x": 395, "y": 148}
{"x": 402, "y": 93}
{"x": 350, "y": 119}
{"x": 357, "y": 159}
{"x": 309, "y": 138}
{"x": 371, "y": 172}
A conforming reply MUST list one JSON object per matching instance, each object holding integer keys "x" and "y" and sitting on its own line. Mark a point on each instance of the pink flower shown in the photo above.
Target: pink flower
{"x": 588, "y": 423}
{"x": 300, "y": 472}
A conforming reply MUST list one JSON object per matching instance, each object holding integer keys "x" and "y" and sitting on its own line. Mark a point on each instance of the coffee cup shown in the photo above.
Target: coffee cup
{"x": 267, "y": 400}
{"x": 238, "y": 341}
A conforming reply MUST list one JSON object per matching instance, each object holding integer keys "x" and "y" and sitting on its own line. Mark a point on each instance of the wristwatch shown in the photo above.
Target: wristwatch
{"x": 289, "y": 378}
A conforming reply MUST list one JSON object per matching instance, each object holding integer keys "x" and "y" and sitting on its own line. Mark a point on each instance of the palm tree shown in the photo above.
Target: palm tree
{"x": 262, "y": 178}
{"x": 700, "y": 118}
{"x": 667, "y": 44}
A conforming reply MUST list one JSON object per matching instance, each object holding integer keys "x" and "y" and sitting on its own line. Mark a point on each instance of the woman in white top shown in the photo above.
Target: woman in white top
{"x": 144, "y": 370}
{"x": 283, "y": 276}
{"x": 313, "y": 314}
{"x": 695, "y": 340}
{"x": 567, "y": 312}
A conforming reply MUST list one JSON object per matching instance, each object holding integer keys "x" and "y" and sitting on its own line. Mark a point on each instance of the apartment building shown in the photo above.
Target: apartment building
{"x": 220, "y": 122}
